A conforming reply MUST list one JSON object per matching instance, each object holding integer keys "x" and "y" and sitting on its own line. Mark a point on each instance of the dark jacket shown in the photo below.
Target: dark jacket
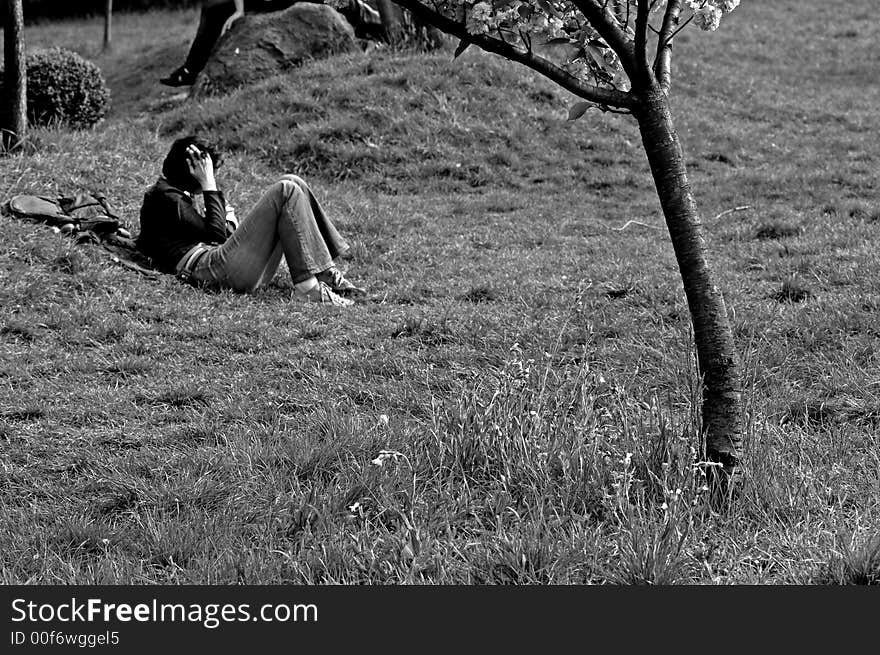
{"x": 171, "y": 224}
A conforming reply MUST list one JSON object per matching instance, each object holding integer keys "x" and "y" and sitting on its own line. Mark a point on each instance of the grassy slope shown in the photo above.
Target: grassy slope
{"x": 519, "y": 346}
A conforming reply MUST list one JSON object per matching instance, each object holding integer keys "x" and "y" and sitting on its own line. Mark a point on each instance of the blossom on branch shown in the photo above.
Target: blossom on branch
{"x": 589, "y": 45}
{"x": 478, "y": 18}
{"x": 708, "y": 18}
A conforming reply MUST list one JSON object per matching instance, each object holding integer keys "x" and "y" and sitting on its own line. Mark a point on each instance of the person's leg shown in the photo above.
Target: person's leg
{"x": 333, "y": 241}
{"x": 211, "y": 22}
{"x": 365, "y": 20}
{"x": 301, "y": 229}
{"x": 271, "y": 266}
{"x": 282, "y": 217}
{"x": 249, "y": 258}
{"x": 336, "y": 245}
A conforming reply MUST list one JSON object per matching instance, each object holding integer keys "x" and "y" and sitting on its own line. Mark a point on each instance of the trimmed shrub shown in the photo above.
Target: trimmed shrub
{"x": 64, "y": 88}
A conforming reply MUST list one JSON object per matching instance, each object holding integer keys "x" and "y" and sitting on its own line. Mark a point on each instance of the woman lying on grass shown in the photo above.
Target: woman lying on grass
{"x": 213, "y": 252}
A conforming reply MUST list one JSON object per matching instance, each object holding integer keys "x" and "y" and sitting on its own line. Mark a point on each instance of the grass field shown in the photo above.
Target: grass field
{"x": 525, "y": 364}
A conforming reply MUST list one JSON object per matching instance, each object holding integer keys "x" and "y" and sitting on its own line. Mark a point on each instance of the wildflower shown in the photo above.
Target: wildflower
{"x": 384, "y": 456}
{"x": 728, "y": 5}
{"x": 383, "y": 419}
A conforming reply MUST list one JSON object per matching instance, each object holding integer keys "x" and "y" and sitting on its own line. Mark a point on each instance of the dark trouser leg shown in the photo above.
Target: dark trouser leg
{"x": 211, "y": 23}
{"x": 365, "y": 20}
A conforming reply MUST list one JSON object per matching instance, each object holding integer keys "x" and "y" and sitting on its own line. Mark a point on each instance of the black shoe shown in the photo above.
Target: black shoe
{"x": 180, "y": 77}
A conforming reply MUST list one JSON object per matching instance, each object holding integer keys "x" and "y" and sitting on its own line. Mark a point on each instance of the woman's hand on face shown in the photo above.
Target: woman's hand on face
{"x": 201, "y": 167}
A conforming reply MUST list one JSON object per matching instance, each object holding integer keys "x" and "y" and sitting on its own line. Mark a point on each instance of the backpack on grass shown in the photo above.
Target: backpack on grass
{"x": 79, "y": 213}
{"x": 88, "y": 218}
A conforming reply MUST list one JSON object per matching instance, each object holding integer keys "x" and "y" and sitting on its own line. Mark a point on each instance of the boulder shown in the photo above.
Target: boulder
{"x": 258, "y": 46}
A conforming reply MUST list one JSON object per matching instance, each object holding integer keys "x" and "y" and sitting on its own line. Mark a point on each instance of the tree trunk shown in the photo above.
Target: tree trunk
{"x": 108, "y": 25}
{"x": 392, "y": 20}
{"x": 716, "y": 353}
{"x": 14, "y": 112}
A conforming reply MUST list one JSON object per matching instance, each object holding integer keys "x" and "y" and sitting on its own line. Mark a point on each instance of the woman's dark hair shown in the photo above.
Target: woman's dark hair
{"x": 175, "y": 168}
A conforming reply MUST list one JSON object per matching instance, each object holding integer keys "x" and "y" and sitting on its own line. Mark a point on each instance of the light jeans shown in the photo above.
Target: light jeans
{"x": 287, "y": 220}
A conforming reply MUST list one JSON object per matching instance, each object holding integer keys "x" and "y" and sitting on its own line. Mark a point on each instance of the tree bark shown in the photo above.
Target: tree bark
{"x": 392, "y": 20}
{"x": 108, "y": 25}
{"x": 14, "y": 112}
{"x": 717, "y": 358}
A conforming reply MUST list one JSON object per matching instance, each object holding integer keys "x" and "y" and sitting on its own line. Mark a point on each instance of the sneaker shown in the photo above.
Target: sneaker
{"x": 322, "y": 293}
{"x": 180, "y": 77}
{"x": 334, "y": 279}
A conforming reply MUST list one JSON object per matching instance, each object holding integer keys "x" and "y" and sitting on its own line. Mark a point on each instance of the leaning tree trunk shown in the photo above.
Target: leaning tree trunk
{"x": 716, "y": 353}
{"x": 14, "y": 104}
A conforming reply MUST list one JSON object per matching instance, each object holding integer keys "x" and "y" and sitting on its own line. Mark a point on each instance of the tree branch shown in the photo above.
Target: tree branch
{"x": 601, "y": 96}
{"x": 606, "y": 24}
{"x": 641, "y": 44}
{"x": 663, "y": 60}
